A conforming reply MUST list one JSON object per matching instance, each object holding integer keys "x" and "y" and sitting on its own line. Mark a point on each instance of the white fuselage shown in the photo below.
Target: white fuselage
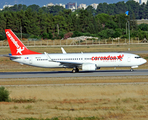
{"x": 99, "y": 59}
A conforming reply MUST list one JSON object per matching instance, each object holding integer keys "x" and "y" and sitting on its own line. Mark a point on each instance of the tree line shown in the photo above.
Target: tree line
{"x": 139, "y": 11}
{"x": 55, "y": 22}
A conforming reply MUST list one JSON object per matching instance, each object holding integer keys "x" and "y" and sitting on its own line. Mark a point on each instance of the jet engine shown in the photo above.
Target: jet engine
{"x": 89, "y": 67}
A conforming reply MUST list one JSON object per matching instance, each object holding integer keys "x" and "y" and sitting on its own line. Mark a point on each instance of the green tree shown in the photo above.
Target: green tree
{"x": 120, "y": 8}
{"x": 142, "y": 9}
{"x": 15, "y": 8}
{"x": 31, "y": 24}
{"x": 4, "y": 94}
{"x": 59, "y": 23}
{"x": 76, "y": 34}
{"x": 133, "y": 7}
{"x": 106, "y": 33}
{"x": 2, "y": 22}
{"x": 55, "y": 9}
{"x": 34, "y": 7}
{"x": 21, "y": 7}
{"x": 67, "y": 14}
{"x": 121, "y": 20}
{"x": 50, "y": 35}
{"x": 21, "y": 21}
{"x": 143, "y": 27}
{"x": 103, "y": 18}
{"x": 141, "y": 34}
{"x": 91, "y": 10}
{"x": 118, "y": 33}
{"x": 2, "y": 37}
{"x": 111, "y": 24}
{"x": 85, "y": 18}
{"x": 50, "y": 23}
{"x": 102, "y": 8}
{"x": 45, "y": 35}
{"x": 42, "y": 21}
{"x": 11, "y": 21}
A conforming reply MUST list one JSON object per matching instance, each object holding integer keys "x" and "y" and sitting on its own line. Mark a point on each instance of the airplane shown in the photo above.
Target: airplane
{"x": 84, "y": 61}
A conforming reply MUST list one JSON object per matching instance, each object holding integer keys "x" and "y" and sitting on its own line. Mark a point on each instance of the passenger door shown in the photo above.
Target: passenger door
{"x": 129, "y": 59}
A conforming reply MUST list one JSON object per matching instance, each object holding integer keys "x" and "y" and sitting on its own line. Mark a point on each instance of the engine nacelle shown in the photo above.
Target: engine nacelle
{"x": 89, "y": 67}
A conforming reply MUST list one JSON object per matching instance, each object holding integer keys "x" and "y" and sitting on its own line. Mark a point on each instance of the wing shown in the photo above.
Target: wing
{"x": 70, "y": 64}
{"x": 64, "y": 63}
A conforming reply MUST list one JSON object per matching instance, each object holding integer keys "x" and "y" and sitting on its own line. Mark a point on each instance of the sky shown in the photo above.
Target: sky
{"x": 44, "y": 2}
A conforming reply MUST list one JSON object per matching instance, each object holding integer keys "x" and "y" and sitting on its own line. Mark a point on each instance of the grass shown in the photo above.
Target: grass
{"x": 72, "y": 80}
{"x": 23, "y": 100}
{"x": 65, "y": 118}
{"x": 78, "y": 102}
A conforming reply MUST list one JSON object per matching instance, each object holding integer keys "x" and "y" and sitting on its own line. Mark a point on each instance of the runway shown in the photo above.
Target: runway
{"x": 4, "y": 75}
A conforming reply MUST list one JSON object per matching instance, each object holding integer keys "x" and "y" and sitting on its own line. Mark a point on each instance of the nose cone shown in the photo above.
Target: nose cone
{"x": 144, "y": 61}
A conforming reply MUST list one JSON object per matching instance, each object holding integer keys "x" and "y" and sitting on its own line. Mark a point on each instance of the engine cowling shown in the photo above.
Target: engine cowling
{"x": 89, "y": 67}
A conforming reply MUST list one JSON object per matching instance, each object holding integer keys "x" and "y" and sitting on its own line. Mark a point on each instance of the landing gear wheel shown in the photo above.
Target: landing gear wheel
{"x": 131, "y": 70}
{"x": 74, "y": 71}
{"x": 77, "y": 70}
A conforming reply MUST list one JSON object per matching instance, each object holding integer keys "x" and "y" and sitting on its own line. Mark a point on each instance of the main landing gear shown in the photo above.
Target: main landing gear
{"x": 131, "y": 70}
{"x": 75, "y": 70}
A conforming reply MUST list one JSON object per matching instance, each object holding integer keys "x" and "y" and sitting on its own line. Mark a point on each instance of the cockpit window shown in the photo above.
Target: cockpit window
{"x": 137, "y": 57}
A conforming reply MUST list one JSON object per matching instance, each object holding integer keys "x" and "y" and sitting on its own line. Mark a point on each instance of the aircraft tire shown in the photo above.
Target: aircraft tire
{"x": 131, "y": 70}
{"x": 74, "y": 71}
{"x": 77, "y": 70}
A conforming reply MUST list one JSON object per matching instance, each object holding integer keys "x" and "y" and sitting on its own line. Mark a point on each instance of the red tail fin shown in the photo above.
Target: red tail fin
{"x": 16, "y": 46}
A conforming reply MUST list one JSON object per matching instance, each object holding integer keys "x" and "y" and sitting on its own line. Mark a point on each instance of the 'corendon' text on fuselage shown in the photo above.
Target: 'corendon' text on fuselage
{"x": 107, "y": 58}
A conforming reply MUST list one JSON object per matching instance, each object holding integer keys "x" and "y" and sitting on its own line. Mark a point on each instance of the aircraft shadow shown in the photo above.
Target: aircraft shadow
{"x": 63, "y": 72}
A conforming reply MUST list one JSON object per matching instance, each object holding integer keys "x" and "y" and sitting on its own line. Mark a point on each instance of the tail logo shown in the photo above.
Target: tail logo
{"x": 19, "y": 49}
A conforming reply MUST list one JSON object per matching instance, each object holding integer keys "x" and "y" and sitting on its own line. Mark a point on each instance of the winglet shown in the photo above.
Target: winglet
{"x": 48, "y": 57}
{"x": 63, "y": 51}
